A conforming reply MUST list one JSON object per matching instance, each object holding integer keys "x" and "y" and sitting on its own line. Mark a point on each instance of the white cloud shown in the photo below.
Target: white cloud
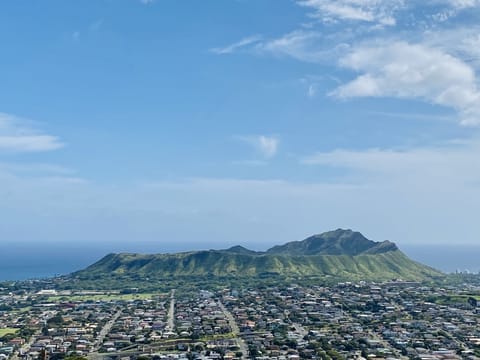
{"x": 309, "y": 46}
{"x": 452, "y": 8}
{"x": 462, "y": 42}
{"x": 312, "y": 90}
{"x": 29, "y": 143}
{"x": 237, "y": 45}
{"x": 444, "y": 169}
{"x": 380, "y": 12}
{"x": 417, "y": 189}
{"x": 267, "y": 146}
{"x": 297, "y": 44}
{"x": 384, "y": 194}
{"x": 447, "y": 163}
{"x": 433, "y": 63}
{"x": 17, "y": 136}
{"x": 35, "y": 169}
{"x": 463, "y": 4}
{"x": 412, "y": 71}
{"x": 303, "y": 45}
{"x": 259, "y": 212}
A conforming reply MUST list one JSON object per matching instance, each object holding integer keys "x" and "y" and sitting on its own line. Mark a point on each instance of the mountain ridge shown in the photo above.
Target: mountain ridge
{"x": 341, "y": 253}
{"x": 337, "y": 242}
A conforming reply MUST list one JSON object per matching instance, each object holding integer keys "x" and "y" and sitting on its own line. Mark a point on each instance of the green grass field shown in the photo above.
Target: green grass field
{"x": 454, "y": 299}
{"x": 7, "y": 331}
{"x": 104, "y": 297}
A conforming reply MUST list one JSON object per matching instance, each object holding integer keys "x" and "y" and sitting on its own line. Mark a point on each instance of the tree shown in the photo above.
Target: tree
{"x": 56, "y": 320}
{"x": 45, "y": 331}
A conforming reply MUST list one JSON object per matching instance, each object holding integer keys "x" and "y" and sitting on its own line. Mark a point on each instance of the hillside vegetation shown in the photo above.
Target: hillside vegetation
{"x": 340, "y": 253}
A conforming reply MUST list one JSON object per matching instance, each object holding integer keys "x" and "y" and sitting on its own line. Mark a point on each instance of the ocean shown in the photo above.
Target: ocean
{"x": 447, "y": 258}
{"x": 33, "y": 262}
{"x": 20, "y": 262}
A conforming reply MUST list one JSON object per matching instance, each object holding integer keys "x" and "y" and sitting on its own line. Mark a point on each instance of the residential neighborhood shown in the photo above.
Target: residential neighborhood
{"x": 390, "y": 320}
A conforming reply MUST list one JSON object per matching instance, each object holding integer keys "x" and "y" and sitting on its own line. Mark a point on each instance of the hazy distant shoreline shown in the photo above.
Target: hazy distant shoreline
{"x": 447, "y": 258}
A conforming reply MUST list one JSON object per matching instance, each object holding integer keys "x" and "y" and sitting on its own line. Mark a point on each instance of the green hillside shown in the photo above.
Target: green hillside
{"x": 341, "y": 253}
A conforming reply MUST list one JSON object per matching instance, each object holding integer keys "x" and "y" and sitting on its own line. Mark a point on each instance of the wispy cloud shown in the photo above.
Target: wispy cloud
{"x": 381, "y": 12}
{"x": 452, "y": 8}
{"x": 96, "y": 25}
{"x": 446, "y": 164}
{"x": 304, "y": 45}
{"x": 29, "y": 143}
{"x": 423, "y": 57}
{"x": 462, "y": 42}
{"x": 237, "y": 45}
{"x": 35, "y": 169}
{"x": 253, "y": 163}
{"x": 412, "y": 71}
{"x": 267, "y": 146}
{"x": 17, "y": 136}
{"x": 312, "y": 90}
{"x": 463, "y": 4}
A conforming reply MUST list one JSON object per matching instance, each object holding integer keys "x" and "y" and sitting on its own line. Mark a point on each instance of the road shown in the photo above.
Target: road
{"x": 171, "y": 312}
{"x": 105, "y": 330}
{"x": 300, "y": 329}
{"x": 235, "y": 330}
{"x": 25, "y": 347}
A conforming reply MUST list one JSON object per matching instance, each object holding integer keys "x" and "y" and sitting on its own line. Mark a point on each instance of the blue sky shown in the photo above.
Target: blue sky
{"x": 191, "y": 124}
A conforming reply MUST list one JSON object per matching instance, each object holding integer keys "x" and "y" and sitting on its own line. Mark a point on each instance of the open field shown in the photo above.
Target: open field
{"x": 7, "y": 331}
{"x": 453, "y": 299}
{"x": 103, "y": 297}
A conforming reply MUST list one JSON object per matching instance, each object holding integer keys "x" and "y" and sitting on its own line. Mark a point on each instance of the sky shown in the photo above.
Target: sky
{"x": 174, "y": 125}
